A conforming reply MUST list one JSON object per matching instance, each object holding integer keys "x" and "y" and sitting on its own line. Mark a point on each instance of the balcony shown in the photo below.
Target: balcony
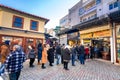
{"x": 87, "y": 2}
{"x": 91, "y": 9}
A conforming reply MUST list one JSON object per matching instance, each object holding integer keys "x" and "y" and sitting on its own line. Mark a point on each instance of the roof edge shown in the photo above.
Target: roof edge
{"x": 7, "y": 7}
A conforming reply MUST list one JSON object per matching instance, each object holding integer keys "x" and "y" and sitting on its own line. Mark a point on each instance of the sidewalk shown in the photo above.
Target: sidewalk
{"x": 93, "y": 70}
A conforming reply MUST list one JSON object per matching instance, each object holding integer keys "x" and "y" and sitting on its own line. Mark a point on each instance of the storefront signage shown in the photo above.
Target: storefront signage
{"x": 105, "y": 33}
{"x": 84, "y": 36}
{"x": 72, "y": 35}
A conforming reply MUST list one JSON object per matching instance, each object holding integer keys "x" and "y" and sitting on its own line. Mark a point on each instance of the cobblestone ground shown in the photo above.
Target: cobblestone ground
{"x": 92, "y": 70}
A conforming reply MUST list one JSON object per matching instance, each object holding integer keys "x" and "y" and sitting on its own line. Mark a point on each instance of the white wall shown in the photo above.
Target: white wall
{"x": 63, "y": 39}
{"x": 104, "y": 6}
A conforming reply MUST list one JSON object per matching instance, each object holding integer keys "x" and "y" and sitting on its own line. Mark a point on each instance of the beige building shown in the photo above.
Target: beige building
{"x": 15, "y": 24}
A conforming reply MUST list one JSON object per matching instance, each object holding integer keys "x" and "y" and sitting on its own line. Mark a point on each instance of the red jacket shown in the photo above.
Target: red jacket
{"x": 87, "y": 50}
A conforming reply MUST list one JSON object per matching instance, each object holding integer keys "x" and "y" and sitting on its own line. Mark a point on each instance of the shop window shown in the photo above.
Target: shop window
{"x": 17, "y": 22}
{"x": 34, "y": 25}
{"x": 98, "y": 1}
{"x": 6, "y": 38}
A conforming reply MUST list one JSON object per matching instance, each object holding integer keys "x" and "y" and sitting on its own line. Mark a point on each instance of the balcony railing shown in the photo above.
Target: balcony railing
{"x": 87, "y": 2}
{"x": 91, "y": 9}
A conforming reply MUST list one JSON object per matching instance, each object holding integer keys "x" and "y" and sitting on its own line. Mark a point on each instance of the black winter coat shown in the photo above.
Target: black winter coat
{"x": 51, "y": 55}
{"x": 66, "y": 55}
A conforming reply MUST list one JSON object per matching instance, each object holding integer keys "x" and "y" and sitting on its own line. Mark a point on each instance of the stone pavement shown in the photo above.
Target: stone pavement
{"x": 92, "y": 70}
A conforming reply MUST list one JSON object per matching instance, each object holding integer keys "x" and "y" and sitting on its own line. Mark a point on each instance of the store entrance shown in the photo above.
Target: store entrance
{"x": 103, "y": 48}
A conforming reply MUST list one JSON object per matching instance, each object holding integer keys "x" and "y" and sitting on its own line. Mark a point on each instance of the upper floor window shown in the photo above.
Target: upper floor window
{"x": 110, "y": 6}
{"x": 98, "y": 1}
{"x": 34, "y": 25}
{"x": 113, "y": 5}
{"x": 81, "y": 11}
{"x": 17, "y": 22}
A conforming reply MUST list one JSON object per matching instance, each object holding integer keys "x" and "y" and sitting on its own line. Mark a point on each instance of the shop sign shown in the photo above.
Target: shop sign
{"x": 105, "y": 33}
{"x": 86, "y": 41}
{"x": 84, "y": 36}
{"x": 72, "y": 35}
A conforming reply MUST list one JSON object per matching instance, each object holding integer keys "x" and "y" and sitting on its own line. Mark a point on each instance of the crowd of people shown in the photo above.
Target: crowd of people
{"x": 12, "y": 60}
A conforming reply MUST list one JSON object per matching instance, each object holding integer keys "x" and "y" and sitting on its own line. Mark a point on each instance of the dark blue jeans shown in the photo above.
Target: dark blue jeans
{"x": 82, "y": 58}
{"x": 14, "y": 76}
{"x": 73, "y": 59}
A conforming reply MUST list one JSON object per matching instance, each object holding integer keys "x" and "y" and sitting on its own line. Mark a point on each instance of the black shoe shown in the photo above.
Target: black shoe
{"x": 51, "y": 65}
{"x": 67, "y": 69}
{"x": 43, "y": 67}
{"x": 73, "y": 65}
{"x": 32, "y": 66}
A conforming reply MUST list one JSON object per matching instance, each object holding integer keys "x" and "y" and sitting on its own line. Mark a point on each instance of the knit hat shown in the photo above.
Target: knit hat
{"x": 7, "y": 42}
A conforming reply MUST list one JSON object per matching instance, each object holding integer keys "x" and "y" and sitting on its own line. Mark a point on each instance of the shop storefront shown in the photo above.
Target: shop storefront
{"x": 73, "y": 38}
{"x": 25, "y": 41}
{"x": 98, "y": 37}
{"x": 27, "y": 38}
{"x": 86, "y": 38}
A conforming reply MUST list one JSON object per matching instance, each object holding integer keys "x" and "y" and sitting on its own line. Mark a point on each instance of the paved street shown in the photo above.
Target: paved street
{"x": 92, "y": 70}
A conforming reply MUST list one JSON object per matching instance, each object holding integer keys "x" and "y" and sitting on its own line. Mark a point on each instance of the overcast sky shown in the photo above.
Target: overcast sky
{"x": 51, "y": 9}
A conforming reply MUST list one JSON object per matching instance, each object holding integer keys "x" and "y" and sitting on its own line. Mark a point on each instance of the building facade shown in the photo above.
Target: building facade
{"x": 15, "y": 24}
{"x": 94, "y": 25}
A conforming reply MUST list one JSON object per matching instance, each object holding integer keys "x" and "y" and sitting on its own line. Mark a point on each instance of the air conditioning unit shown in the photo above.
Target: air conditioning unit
{"x": 103, "y": 16}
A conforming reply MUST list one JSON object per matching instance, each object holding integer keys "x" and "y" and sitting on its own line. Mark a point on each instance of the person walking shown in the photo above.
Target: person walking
{"x": 66, "y": 57}
{"x": 87, "y": 52}
{"x": 31, "y": 55}
{"x": 4, "y": 51}
{"x": 51, "y": 55}
{"x": 91, "y": 51}
{"x": 82, "y": 54}
{"x": 39, "y": 48}
{"x": 44, "y": 57}
{"x": 73, "y": 51}
{"x": 62, "y": 52}
{"x": 14, "y": 62}
{"x": 58, "y": 54}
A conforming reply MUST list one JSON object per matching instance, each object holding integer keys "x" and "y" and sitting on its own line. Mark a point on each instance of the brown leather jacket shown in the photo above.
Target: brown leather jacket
{"x": 4, "y": 51}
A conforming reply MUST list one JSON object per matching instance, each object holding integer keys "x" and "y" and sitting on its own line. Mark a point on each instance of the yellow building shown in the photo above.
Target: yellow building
{"x": 15, "y": 24}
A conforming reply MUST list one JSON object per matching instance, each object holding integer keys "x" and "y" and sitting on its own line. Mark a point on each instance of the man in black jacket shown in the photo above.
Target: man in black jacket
{"x": 58, "y": 54}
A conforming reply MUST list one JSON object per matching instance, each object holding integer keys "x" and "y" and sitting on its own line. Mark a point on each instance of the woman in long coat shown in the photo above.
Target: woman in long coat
{"x": 51, "y": 56}
{"x": 44, "y": 57}
{"x": 66, "y": 57}
{"x": 39, "y": 52}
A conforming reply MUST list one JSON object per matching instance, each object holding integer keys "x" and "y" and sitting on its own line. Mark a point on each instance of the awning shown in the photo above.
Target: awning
{"x": 115, "y": 16}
